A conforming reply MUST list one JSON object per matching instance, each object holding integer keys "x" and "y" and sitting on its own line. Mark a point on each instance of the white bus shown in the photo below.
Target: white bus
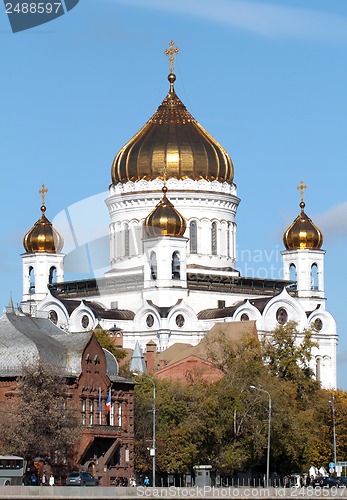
{"x": 12, "y": 470}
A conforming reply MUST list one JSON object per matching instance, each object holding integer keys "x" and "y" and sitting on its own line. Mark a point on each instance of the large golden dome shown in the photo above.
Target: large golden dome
{"x": 172, "y": 144}
{"x": 302, "y": 233}
{"x": 42, "y": 237}
{"x": 164, "y": 219}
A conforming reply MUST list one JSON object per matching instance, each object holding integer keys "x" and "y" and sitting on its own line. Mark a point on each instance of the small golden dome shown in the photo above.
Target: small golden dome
{"x": 302, "y": 233}
{"x": 172, "y": 141}
{"x": 42, "y": 237}
{"x": 164, "y": 219}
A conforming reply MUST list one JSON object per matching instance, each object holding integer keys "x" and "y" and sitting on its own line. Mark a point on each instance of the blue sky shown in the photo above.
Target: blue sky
{"x": 267, "y": 79}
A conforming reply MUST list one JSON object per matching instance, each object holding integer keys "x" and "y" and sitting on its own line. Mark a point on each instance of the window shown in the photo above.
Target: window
{"x": 112, "y": 414}
{"x": 214, "y": 238}
{"x": 318, "y": 369}
{"x": 52, "y": 275}
{"x": 180, "y": 320}
{"x": 292, "y": 272}
{"x": 317, "y": 324}
{"x": 83, "y": 412}
{"x": 85, "y": 321}
{"x": 282, "y": 316}
{"x": 193, "y": 237}
{"x": 91, "y": 412}
{"x": 150, "y": 320}
{"x": 31, "y": 280}
{"x": 119, "y": 414}
{"x": 176, "y": 266}
{"x": 53, "y": 316}
{"x": 153, "y": 266}
{"x": 244, "y": 317}
{"x": 314, "y": 277}
{"x": 126, "y": 241}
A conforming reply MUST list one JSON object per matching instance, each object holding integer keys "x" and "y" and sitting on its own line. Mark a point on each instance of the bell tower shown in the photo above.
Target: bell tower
{"x": 42, "y": 261}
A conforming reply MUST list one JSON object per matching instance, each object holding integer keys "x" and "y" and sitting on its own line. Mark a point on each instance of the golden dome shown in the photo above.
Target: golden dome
{"x": 164, "y": 219}
{"x": 302, "y": 233}
{"x": 172, "y": 144}
{"x": 42, "y": 237}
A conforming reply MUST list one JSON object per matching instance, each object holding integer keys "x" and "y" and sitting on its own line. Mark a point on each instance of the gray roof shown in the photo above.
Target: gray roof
{"x": 24, "y": 340}
{"x": 137, "y": 362}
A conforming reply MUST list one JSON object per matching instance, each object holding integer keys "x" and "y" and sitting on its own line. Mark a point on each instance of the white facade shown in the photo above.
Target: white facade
{"x": 174, "y": 289}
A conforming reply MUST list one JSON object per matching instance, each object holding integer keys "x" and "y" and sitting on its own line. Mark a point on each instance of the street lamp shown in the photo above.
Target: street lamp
{"x": 268, "y": 433}
{"x": 332, "y": 402}
{"x": 153, "y": 450}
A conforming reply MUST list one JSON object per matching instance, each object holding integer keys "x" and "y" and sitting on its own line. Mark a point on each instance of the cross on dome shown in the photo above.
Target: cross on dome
{"x": 302, "y": 187}
{"x": 171, "y": 53}
{"x": 42, "y": 192}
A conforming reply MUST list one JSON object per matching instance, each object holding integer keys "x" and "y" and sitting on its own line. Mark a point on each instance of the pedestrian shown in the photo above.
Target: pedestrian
{"x": 43, "y": 480}
{"x": 132, "y": 481}
{"x": 51, "y": 480}
{"x": 146, "y": 481}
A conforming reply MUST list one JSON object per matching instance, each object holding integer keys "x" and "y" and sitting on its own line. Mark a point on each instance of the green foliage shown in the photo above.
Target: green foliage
{"x": 39, "y": 419}
{"x": 106, "y": 342}
{"x": 225, "y": 424}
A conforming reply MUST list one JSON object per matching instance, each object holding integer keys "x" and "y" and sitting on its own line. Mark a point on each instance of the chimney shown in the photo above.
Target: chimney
{"x": 151, "y": 349}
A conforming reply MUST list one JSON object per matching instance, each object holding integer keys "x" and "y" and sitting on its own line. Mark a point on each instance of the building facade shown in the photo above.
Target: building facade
{"x": 106, "y": 446}
{"x": 173, "y": 274}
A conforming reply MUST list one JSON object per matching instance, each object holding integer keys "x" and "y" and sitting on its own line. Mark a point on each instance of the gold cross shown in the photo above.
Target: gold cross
{"x": 302, "y": 186}
{"x": 42, "y": 192}
{"x": 171, "y": 52}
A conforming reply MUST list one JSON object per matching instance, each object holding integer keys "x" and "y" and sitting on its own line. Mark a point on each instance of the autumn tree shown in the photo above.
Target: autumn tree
{"x": 40, "y": 420}
{"x": 106, "y": 342}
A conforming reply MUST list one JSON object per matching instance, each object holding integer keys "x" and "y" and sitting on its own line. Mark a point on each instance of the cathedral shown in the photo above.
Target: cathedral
{"x": 172, "y": 273}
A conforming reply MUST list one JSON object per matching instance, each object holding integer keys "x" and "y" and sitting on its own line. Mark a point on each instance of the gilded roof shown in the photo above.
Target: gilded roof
{"x": 303, "y": 233}
{"x": 164, "y": 219}
{"x": 42, "y": 237}
{"x": 172, "y": 144}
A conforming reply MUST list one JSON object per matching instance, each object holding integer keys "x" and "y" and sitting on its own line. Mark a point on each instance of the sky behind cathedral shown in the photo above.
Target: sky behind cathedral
{"x": 267, "y": 79}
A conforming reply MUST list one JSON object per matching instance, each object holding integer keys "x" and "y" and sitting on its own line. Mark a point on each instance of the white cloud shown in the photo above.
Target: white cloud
{"x": 334, "y": 222}
{"x": 265, "y": 19}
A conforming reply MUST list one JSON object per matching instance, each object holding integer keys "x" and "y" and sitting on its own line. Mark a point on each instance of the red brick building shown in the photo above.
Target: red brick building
{"x": 181, "y": 361}
{"x": 106, "y": 447}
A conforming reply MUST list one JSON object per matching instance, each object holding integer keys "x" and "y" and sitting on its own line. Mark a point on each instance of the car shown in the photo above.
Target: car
{"x": 326, "y": 481}
{"x": 81, "y": 479}
{"x": 341, "y": 480}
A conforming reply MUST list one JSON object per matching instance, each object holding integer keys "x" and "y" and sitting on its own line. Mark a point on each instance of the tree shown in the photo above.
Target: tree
{"x": 288, "y": 355}
{"x": 39, "y": 419}
{"x": 107, "y": 343}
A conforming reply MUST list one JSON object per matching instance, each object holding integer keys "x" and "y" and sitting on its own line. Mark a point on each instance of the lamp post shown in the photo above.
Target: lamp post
{"x": 332, "y": 402}
{"x": 268, "y": 433}
{"x": 153, "y": 450}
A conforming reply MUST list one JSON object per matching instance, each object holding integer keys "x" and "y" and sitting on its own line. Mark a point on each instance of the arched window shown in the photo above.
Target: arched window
{"x": 314, "y": 277}
{"x": 176, "y": 266}
{"x": 193, "y": 237}
{"x": 153, "y": 266}
{"x": 126, "y": 241}
{"x": 31, "y": 280}
{"x": 214, "y": 238}
{"x": 292, "y": 272}
{"x": 318, "y": 369}
{"x": 52, "y": 275}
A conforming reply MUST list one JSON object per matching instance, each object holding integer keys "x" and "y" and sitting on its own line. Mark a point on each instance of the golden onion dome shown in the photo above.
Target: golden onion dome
{"x": 164, "y": 219}
{"x": 302, "y": 233}
{"x": 172, "y": 144}
{"x": 42, "y": 237}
